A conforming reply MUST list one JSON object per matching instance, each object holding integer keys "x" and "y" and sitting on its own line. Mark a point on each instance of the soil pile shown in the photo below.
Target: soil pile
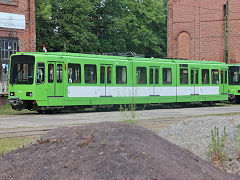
{"x": 105, "y": 151}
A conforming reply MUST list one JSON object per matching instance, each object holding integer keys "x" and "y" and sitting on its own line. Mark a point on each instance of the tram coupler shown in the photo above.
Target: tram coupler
{"x": 16, "y": 104}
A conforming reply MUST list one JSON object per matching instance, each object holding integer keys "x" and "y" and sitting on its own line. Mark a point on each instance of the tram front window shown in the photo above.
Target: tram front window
{"x": 234, "y": 75}
{"x": 22, "y": 69}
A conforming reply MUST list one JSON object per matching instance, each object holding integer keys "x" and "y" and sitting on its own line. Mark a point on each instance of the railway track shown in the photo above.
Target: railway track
{"x": 23, "y": 133}
{"x": 155, "y": 120}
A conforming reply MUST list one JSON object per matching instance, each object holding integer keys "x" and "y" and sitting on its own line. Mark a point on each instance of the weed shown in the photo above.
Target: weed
{"x": 216, "y": 148}
{"x": 42, "y": 140}
{"x": 128, "y": 113}
{"x": 103, "y": 143}
{"x": 237, "y": 138}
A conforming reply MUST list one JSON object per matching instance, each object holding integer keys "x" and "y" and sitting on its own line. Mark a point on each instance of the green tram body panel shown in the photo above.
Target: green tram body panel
{"x": 71, "y": 79}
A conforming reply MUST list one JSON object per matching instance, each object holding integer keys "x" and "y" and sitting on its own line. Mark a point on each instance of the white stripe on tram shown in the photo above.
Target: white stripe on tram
{"x": 114, "y": 91}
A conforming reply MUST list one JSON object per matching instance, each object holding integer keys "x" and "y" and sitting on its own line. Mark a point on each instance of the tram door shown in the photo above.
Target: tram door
{"x": 55, "y": 79}
{"x": 106, "y": 80}
{"x": 195, "y": 81}
{"x": 154, "y": 81}
{"x": 224, "y": 81}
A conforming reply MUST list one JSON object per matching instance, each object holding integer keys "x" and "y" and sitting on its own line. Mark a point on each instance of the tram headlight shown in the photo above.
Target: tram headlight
{"x": 12, "y": 93}
{"x": 28, "y": 93}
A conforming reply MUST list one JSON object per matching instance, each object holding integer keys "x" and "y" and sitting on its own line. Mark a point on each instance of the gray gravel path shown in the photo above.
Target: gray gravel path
{"x": 194, "y": 134}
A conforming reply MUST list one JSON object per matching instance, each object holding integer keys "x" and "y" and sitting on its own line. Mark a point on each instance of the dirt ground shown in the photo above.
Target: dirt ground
{"x": 108, "y": 150}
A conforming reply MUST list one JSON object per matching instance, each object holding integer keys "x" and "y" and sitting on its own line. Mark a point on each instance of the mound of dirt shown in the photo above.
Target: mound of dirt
{"x": 105, "y": 151}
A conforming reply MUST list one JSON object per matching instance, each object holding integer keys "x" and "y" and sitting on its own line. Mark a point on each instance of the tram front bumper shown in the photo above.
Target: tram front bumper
{"x": 16, "y": 104}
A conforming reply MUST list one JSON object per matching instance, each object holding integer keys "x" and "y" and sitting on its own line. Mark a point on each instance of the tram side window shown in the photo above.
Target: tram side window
{"x": 226, "y": 78}
{"x": 121, "y": 74}
{"x": 222, "y": 75}
{"x": 141, "y": 75}
{"x": 50, "y": 73}
{"x": 156, "y": 76}
{"x": 234, "y": 75}
{"x": 40, "y": 73}
{"x": 74, "y": 73}
{"x": 102, "y": 74}
{"x": 215, "y": 76}
{"x": 205, "y": 76}
{"x": 183, "y": 76}
{"x": 167, "y": 75}
{"x": 59, "y": 73}
{"x": 194, "y": 76}
{"x": 90, "y": 73}
{"x": 151, "y": 76}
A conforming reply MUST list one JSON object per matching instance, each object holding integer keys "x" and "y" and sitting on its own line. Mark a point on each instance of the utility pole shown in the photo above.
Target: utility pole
{"x": 227, "y": 34}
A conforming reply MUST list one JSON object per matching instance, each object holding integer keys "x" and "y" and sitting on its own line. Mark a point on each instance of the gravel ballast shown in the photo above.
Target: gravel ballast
{"x": 194, "y": 134}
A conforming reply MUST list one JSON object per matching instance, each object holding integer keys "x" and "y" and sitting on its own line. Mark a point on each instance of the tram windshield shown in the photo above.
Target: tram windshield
{"x": 22, "y": 69}
{"x": 234, "y": 75}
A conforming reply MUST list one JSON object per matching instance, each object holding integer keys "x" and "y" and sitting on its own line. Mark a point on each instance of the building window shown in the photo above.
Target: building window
{"x": 224, "y": 10}
{"x": 8, "y": 47}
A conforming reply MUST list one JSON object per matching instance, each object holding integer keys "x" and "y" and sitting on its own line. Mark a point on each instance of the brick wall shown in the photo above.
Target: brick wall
{"x": 27, "y": 37}
{"x": 203, "y": 22}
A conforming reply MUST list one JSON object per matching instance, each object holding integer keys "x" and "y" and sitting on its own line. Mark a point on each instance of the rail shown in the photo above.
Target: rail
{"x": 23, "y": 133}
{"x": 3, "y": 88}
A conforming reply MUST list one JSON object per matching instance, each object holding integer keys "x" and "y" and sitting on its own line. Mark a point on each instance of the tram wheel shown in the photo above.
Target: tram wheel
{"x": 40, "y": 111}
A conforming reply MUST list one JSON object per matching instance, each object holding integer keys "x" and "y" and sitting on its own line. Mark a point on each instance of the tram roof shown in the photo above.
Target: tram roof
{"x": 111, "y": 57}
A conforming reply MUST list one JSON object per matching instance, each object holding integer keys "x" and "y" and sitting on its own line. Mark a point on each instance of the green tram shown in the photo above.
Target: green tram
{"x": 46, "y": 81}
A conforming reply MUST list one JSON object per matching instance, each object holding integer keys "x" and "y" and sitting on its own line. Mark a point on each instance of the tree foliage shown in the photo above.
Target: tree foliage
{"x": 103, "y": 26}
{"x": 44, "y": 29}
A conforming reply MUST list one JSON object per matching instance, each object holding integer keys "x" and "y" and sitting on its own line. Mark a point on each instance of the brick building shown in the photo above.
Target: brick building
{"x": 196, "y": 29}
{"x": 17, "y": 30}
{"x": 17, "y": 33}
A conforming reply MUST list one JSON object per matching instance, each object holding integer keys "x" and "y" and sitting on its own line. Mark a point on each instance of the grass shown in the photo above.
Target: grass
{"x": 9, "y": 144}
{"x": 7, "y": 110}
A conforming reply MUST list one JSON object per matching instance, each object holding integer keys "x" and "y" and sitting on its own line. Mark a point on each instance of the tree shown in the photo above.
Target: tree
{"x": 103, "y": 26}
{"x": 128, "y": 25}
{"x": 72, "y": 20}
